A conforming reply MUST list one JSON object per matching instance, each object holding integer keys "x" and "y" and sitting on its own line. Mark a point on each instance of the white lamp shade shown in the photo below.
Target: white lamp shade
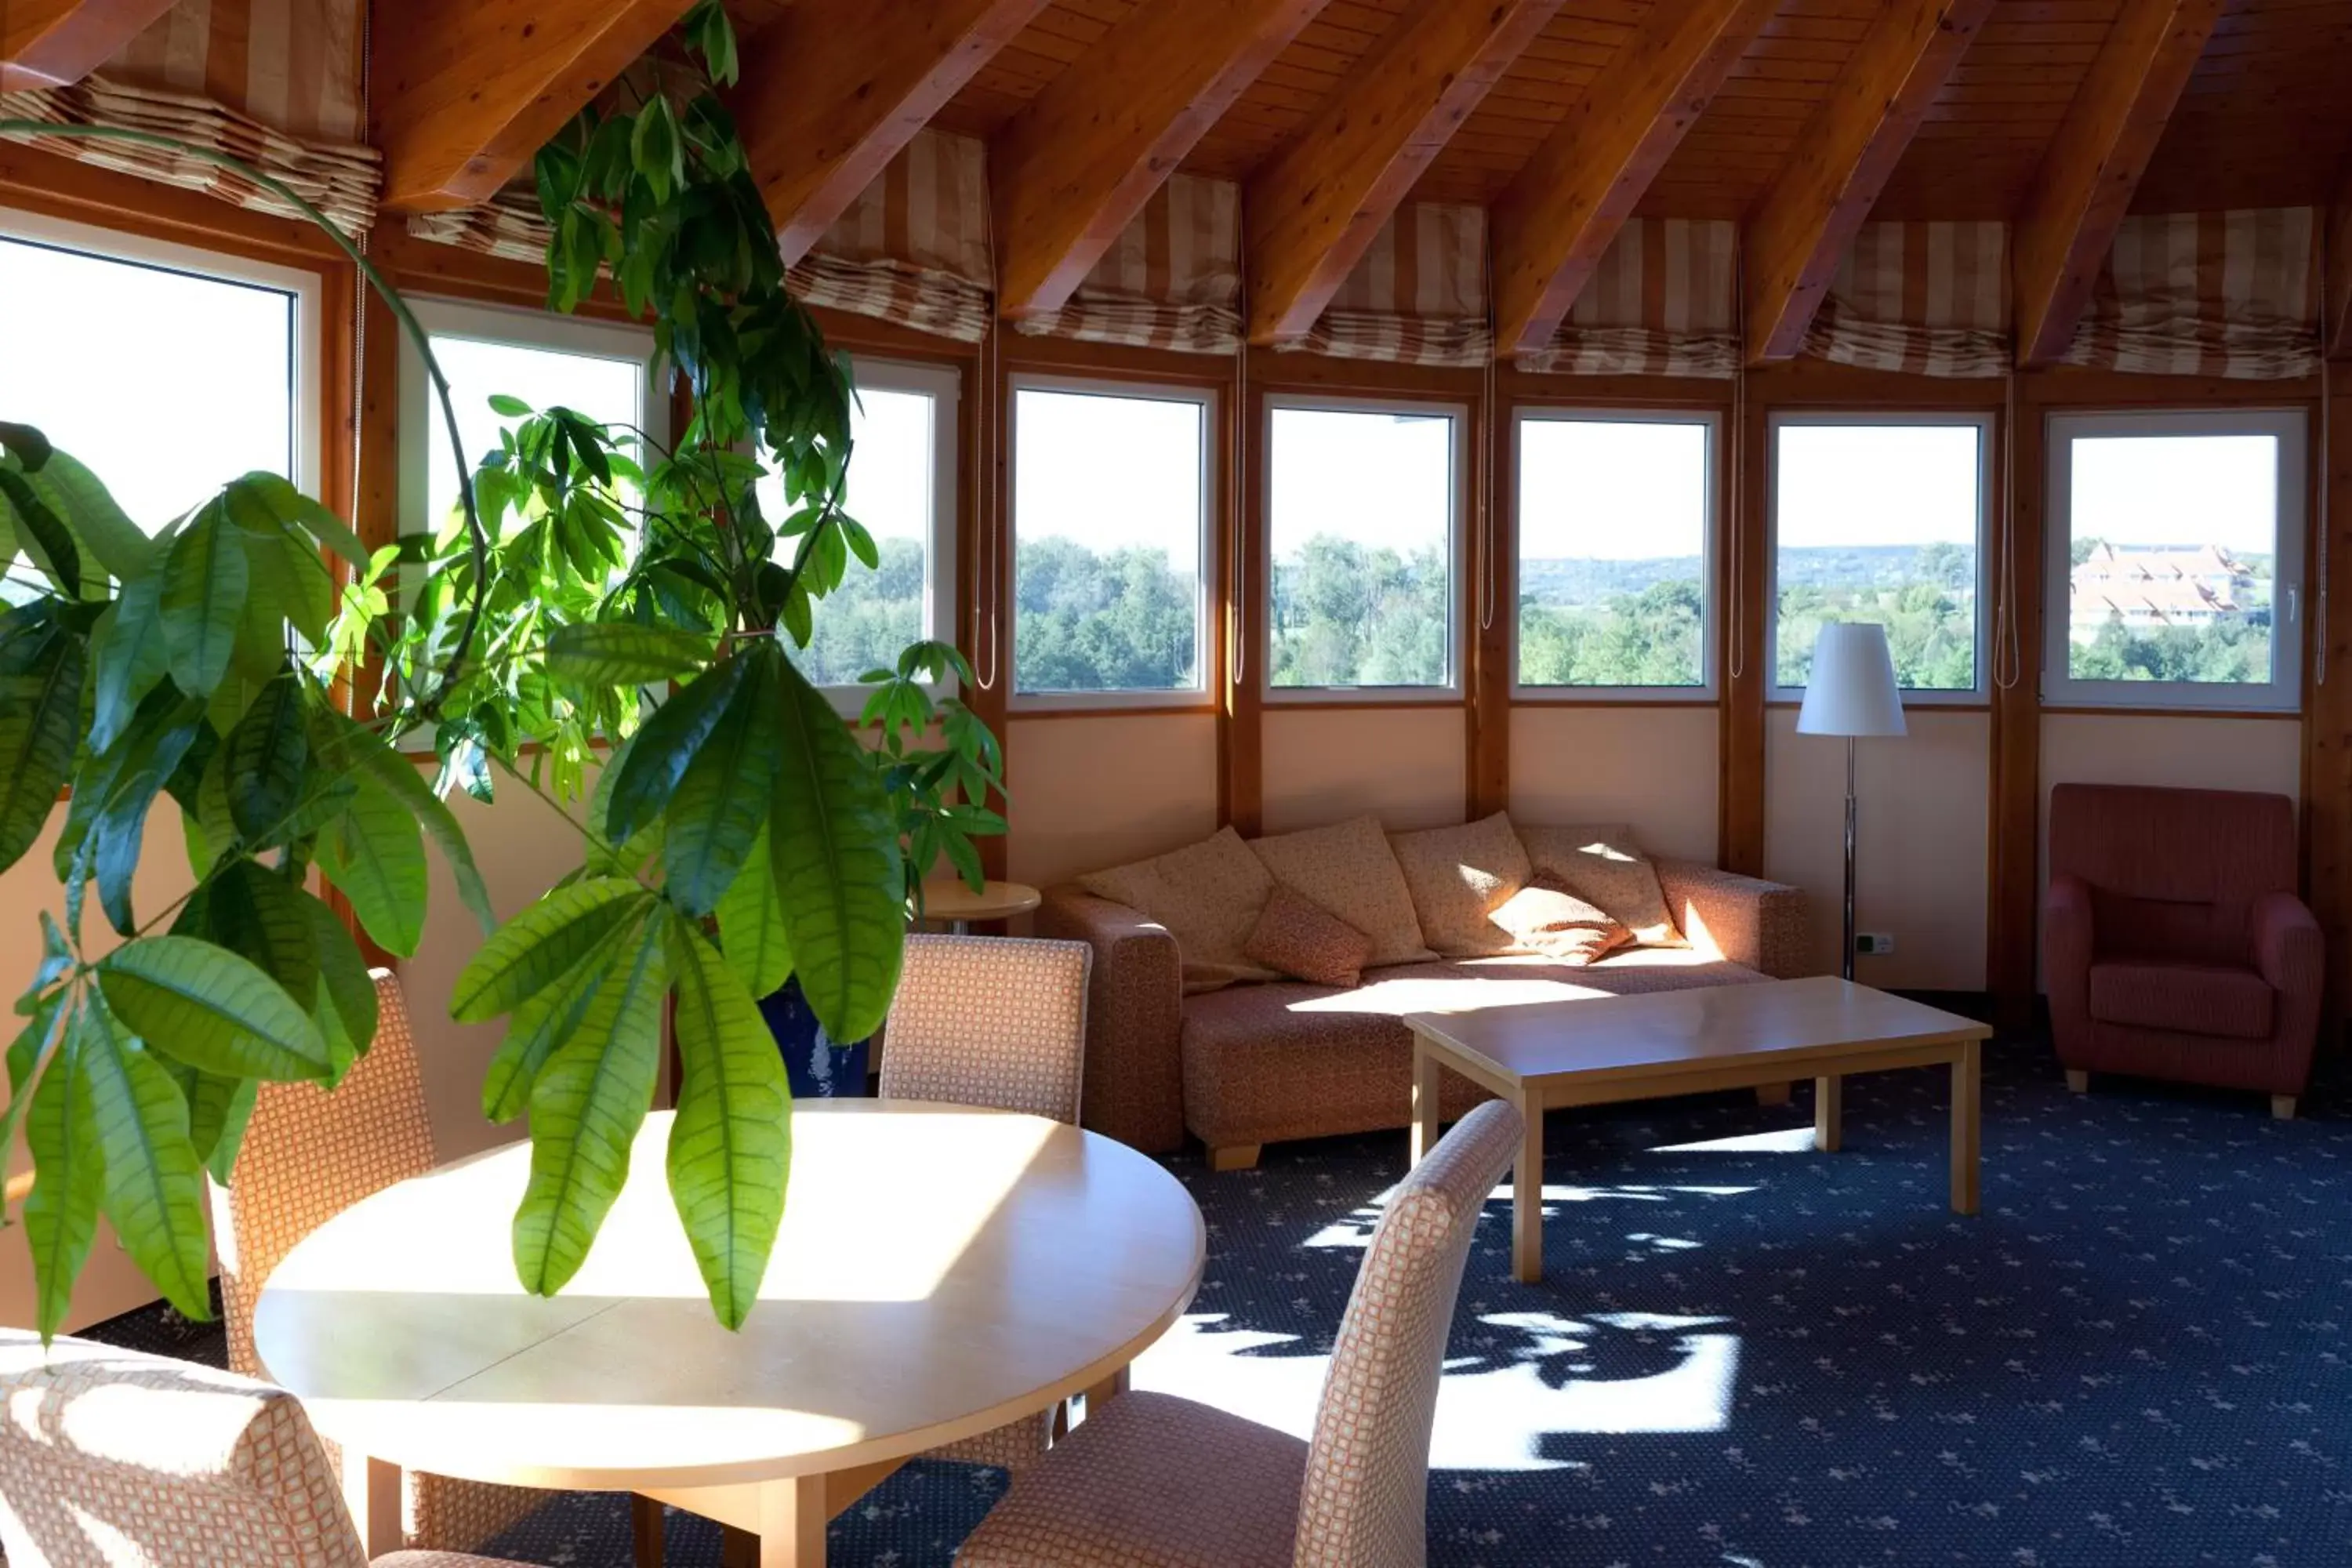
{"x": 1851, "y": 691}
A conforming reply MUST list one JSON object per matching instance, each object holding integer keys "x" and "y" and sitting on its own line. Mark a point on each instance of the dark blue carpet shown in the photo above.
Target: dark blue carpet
{"x": 1763, "y": 1357}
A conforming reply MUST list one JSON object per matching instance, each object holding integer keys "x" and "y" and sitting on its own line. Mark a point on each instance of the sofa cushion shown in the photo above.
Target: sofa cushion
{"x": 1348, "y": 869}
{"x": 1458, "y": 878}
{"x": 1306, "y": 942}
{"x": 1208, "y": 895}
{"x": 1606, "y": 866}
{"x": 1545, "y": 918}
{"x": 1264, "y": 1063}
{"x": 2189, "y": 998}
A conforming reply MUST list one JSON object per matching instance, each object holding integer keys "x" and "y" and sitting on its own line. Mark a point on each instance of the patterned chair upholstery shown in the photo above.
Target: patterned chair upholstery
{"x": 111, "y": 1458}
{"x": 307, "y": 1156}
{"x": 1155, "y": 1481}
{"x": 996, "y": 1022}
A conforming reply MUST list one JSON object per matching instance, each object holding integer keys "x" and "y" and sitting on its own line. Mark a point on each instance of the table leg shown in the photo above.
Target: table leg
{"x": 1829, "y": 1114}
{"x": 646, "y": 1532}
{"x": 1101, "y": 1393}
{"x": 792, "y": 1522}
{"x": 1527, "y": 1195}
{"x": 1967, "y": 1127}
{"x": 372, "y": 1491}
{"x": 1425, "y": 1100}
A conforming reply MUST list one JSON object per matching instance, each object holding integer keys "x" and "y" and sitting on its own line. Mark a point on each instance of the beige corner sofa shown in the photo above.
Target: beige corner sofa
{"x": 1251, "y": 1063}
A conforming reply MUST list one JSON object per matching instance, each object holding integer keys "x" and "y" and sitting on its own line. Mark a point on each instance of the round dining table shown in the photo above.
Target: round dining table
{"x": 941, "y": 1270}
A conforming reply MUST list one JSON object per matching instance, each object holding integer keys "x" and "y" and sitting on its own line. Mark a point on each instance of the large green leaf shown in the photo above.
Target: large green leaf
{"x": 664, "y": 745}
{"x": 150, "y": 751}
{"x": 218, "y": 1108}
{"x": 205, "y": 584}
{"x": 75, "y": 494}
{"x": 40, "y": 530}
{"x": 730, "y": 1148}
{"x": 43, "y": 1024}
{"x": 546, "y": 1021}
{"x": 540, "y": 945}
{"x": 375, "y": 855}
{"x": 212, "y": 1009}
{"x": 624, "y": 653}
{"x": 257, "y": 914}
{"x": 835, "y": 850}
{"x": 751, "y": 924}
{"x": 282, "y": 503}
{"x": 346, "y": 1013}
{"x": 722, "y": 800}
{"x": 154, "y": 1192}
{"x": 40, "y": 725}
{"x": 585, "y": 1110}
{"x": 344, "y": 746}
{"x": 61, "y": 1213}
{"x": 264, "y": 760}
{"x": 128, "y": 649}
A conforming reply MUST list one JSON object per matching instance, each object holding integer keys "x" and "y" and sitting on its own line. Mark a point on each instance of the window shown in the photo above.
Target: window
{"x": 2176, "y": 554}
{"x": 1882, "y": 519}
{"x": 902, "y": 488}
{"x": 1361, "y": 507}
{"x": 167, "y": 371}
{"x": 1110, "y": 564}
{"x": 601, "y": 370}
{"x": 1615, "y": 516}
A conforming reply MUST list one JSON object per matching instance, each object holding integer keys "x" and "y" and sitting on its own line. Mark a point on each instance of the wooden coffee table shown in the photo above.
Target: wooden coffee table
{"x": 1685, "y": 1042}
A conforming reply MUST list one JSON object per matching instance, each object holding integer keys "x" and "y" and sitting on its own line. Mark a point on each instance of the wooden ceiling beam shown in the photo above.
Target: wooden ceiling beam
{"x": 467, "y": 91}
{"x": 2085, "y": 184}
{"x": 56, "y": 43}
{"x": 1800, "y": 232}
{"x": 1071, "y": 171}
{"x": 1555, "y": 222}
{"x": 832, "y": 89}
{"x": 1311, "y": 211}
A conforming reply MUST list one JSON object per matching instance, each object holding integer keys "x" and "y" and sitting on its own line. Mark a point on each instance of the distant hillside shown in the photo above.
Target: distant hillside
{"x": 1554, "y": 581}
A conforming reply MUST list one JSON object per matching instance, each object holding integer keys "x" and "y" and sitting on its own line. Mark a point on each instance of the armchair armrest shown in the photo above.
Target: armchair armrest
{"x": 2067, "y": 937}
{"x": 2288, "y": 947}
{"x": 1134, "y": 1085}
{"x": 1743, "y": 920}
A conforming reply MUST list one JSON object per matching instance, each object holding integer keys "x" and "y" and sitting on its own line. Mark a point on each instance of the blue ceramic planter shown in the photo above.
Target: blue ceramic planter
{"x": 819, "y": 1067}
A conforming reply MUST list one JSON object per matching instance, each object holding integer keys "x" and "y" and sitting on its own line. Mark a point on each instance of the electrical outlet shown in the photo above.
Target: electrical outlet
{"x": 1875, "y": 943}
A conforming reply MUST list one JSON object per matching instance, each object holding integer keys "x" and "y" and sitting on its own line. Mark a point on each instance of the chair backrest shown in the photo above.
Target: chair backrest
{"x": 997, "y": 1022}
{"x": 109, "y": 1457}
{"x": 1365, "y": 1502}
{"x": 308, "y": 1155}
{"x": 2174, "y": 873}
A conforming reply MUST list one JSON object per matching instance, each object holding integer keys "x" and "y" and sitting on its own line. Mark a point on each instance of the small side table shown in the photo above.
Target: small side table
{"x": 950, "y": 901}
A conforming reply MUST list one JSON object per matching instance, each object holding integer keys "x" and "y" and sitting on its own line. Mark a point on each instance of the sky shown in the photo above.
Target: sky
{"x": 1381, "y": 479}
{"x": 2176, "y": 490}
{"x": 890, "y": 469}
{"x": 1877, "y": 484}
{"x": 1110, "y": 473}
{"x": 1612, "y": 489}
{"x": 167, "y": 385}
{"x": 608, "y": 391}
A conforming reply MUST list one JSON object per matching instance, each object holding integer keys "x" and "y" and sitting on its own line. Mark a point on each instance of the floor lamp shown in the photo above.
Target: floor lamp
{"x": 1850, "y": 692}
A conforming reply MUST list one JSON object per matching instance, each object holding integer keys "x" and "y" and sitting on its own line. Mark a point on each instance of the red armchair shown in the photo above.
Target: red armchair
{"x": 2173, "y": 943}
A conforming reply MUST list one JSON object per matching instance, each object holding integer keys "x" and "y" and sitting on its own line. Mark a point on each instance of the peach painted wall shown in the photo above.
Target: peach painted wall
{"x": 1090, "y": 793}
{"x": 1406, "y": 765}
{"x": 1652, "y": 769}
{"x": 1923, "y": 843}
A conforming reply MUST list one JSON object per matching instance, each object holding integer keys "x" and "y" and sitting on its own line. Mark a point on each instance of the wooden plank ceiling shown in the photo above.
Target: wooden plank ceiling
{"x": 1797, "y": 117}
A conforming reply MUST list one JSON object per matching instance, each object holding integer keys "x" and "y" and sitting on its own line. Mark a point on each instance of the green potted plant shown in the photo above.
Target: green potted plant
{"x": 596, "y": 597}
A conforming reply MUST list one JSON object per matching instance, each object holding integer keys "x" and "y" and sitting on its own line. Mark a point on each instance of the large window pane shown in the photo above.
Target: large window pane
{"x": 895, "y": 439}
{"x": 1612, "y": 523}
{"x": 1361, "y": 529}
{"x": 1108, "y": 505}
{"x": 607, "y": 390}
{"x": 2172, "y": 542}
{"x": 1880, "y": 523}
{"x": 167, "y": 384}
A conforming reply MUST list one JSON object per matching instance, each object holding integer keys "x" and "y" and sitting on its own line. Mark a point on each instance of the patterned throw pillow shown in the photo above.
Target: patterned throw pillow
{"x": 1303, "y": 941}
{"x": 1459, "y": 876}
{"x": 1545, "y": 917}
{"x": 1208, "y": 895}
{"x": 1349, "y": 870}
{"x": 1604, "y": 866}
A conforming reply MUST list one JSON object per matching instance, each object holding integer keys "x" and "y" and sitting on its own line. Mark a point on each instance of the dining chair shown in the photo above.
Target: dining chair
{"x": 1153, "y": 1480}
{"x": 309, "y": 1155}
{"x": 115, "y": 1458}
{"x": 999, "y": 1022}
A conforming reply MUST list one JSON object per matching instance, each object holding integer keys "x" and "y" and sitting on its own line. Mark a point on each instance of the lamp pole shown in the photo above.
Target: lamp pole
{"x": 1845, "y": 964}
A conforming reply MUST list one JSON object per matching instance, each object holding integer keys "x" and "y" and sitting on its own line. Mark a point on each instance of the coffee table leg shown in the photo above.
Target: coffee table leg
{"x": 1425, "y": 1100}
{"x": 1527, "y": 1195}
{"x": 372, "y": 1491}
{"x": 1967, "y": 1127}
{"x": 792, "y": 1522}
{"x": 1829, "y": 1114}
